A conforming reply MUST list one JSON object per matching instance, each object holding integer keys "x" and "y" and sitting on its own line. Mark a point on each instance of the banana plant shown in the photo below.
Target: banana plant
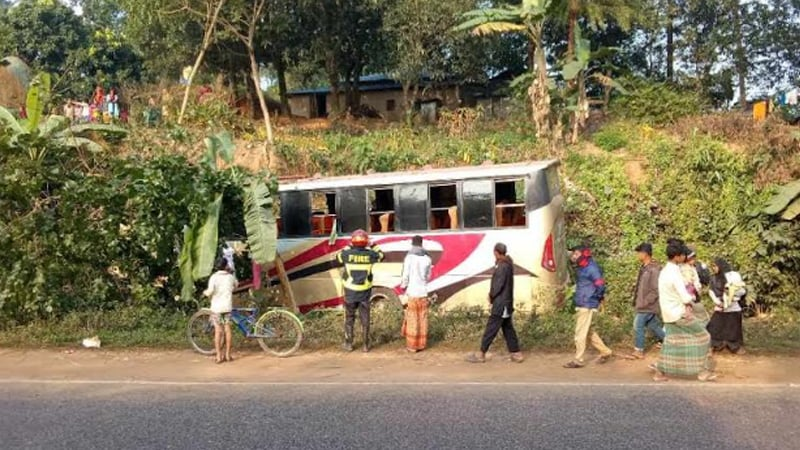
{"x": 527, "y": 18}
{"x": 201, "y": 239}
{"x": 575, "y": 72}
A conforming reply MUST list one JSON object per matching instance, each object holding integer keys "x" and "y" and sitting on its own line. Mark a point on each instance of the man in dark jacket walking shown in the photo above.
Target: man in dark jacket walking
{"x": 646, "y": 300}
{"x": 589, "y": 293}
{"x": 501, "y": 297}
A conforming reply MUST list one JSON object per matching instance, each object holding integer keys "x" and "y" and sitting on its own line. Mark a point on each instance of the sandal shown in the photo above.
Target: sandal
{"x": 604, "y": 358}
{"x": 219, "y": 361}
{"x": 474, "y": 358}
{"x": 707, "y": 376}
{"x": 573, "y": 365}
{"x": 228, "y": 358}
{"x": 660, "y": 377}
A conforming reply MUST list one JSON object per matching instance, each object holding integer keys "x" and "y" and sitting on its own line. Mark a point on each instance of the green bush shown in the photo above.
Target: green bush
{"x": 96, "y": 232}
{"x": 610, "y": 139}
{"x": 656, "y": 103}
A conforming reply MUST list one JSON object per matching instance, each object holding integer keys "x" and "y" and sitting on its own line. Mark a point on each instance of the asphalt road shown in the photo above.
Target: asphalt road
{"x": 342, "y": 416}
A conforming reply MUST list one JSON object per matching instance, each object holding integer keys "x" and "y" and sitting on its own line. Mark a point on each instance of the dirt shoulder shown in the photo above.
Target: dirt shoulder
{"x": 381, "y": 365}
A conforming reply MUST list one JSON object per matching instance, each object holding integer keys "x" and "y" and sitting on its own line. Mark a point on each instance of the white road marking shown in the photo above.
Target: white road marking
{"x": 682, "y": 383}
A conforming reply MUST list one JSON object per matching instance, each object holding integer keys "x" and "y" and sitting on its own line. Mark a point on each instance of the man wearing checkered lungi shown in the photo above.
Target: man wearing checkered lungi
{"x": 685, "y": 351}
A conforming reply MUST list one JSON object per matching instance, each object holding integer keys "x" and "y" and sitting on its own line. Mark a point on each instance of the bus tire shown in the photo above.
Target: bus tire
{"x": 384, "y": 297}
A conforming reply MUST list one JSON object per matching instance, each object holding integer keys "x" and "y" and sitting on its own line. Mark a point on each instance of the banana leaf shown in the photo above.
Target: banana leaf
{"x": 36, "y": 99}
{"x": 204, "y": 250}
{"x": 9, "y": 121}
{"x": 497, "y": 27}
{"x": 101, "y": 128}
{"x": 220, "y": 144}
{"x": 78, "y": 143}
{"x": 792, "y": 211}
{"x": 785, "y": 195}
{"x": 53, "y": 125}
{"x": 571, "y": 70}
{"x": 485, "y": 16}
{"x": 259, "y": 220}
{"x": 185, "y": 264}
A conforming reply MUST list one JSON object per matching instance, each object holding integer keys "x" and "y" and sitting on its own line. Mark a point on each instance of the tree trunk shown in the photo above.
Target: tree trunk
{"x": 670, "y": 42}
{"x": 269, "y": 145}
{"x": 539, "y": 92}
{"x": 280, "y": 67}
{"x": 251, "y": 100}
{"x": 333, "y": 78}
{"x": 740, "y": 53}
{"x": 208, "y": 37}
{"x": 582, "y": 112}
{"x": 573, "y": 12}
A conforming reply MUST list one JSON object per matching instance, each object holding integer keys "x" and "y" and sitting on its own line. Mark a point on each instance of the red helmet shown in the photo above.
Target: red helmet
{"x": 359, "y": 238}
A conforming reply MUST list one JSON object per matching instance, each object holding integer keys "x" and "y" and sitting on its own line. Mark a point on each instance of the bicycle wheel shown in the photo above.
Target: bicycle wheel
{"x": 200, "y": 332}
{"x": 279, "y": 332}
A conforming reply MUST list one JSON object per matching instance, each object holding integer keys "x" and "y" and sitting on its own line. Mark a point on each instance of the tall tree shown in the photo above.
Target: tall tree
{"x": 243, "y": 21}
{"x": 597, "y": 13}
{"x": 209, "y": 17}
{"x": 347, "y": 38}
{"x": 420, "y": 41}
{"x": 47, "y": 35}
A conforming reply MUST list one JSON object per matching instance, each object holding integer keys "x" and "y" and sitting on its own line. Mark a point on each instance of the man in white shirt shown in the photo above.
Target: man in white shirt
{"x": 417, "y": 268}
{"x": 686, "y": 345}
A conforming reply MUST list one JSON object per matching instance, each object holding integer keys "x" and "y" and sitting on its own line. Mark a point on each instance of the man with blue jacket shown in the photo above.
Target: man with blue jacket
{"x": 589, "y": 293}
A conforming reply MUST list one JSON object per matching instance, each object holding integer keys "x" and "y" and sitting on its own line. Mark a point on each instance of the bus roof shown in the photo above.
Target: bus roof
{"x": 418, "y": 176}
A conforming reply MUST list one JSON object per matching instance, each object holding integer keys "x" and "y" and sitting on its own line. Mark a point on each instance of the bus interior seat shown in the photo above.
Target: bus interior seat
{"x": 453, "y": 213}
{"x": 322, "y": 225}
{"x": 500, "y": 216}
{"x": 387, "y": 222}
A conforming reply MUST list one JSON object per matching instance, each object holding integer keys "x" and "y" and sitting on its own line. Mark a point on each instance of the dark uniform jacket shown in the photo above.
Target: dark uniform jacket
{"x": 501, "y": 293}
{"x": 357, "y": 276}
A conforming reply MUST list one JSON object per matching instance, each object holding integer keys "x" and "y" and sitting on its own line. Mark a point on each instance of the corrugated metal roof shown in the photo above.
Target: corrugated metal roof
{"x": 418, "y": 176}
{"x": 375, "y": 82}
{"x": 388, "y": 86}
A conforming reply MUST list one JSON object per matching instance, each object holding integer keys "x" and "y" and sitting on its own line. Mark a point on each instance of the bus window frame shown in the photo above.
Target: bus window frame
{"x": 370, "y": 214}
{"x": 283, "y": 216}
{"x": 459, "y": 210}
{"x": 462, "y": 208}
{"x": 524, "y": 205}
{"x": 399, "y": 209}
{"x": 340, "y": 222}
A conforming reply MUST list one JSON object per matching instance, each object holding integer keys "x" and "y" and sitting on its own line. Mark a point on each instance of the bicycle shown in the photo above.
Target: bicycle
{"x": 278, "y": 331}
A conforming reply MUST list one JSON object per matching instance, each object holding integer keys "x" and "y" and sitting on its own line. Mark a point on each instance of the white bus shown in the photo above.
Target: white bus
{"x": 460, "y": 213}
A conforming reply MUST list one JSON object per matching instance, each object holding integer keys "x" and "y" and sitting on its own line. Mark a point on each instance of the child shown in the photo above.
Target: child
{"x": 220, "y": 289}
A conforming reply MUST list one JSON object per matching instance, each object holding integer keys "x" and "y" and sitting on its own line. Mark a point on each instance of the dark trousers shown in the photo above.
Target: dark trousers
{"x": 493, "y": 327}
{"x": 350, "y": 319}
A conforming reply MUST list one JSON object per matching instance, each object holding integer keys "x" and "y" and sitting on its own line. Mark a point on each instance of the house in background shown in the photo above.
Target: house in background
{"x": 385, "y": 95}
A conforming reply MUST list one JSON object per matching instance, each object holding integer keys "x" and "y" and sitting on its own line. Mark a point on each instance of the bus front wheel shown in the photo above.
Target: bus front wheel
{"x": 384, "y": 298}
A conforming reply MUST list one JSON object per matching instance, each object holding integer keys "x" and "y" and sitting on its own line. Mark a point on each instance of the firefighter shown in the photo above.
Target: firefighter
{"x": 358, "y": 259}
